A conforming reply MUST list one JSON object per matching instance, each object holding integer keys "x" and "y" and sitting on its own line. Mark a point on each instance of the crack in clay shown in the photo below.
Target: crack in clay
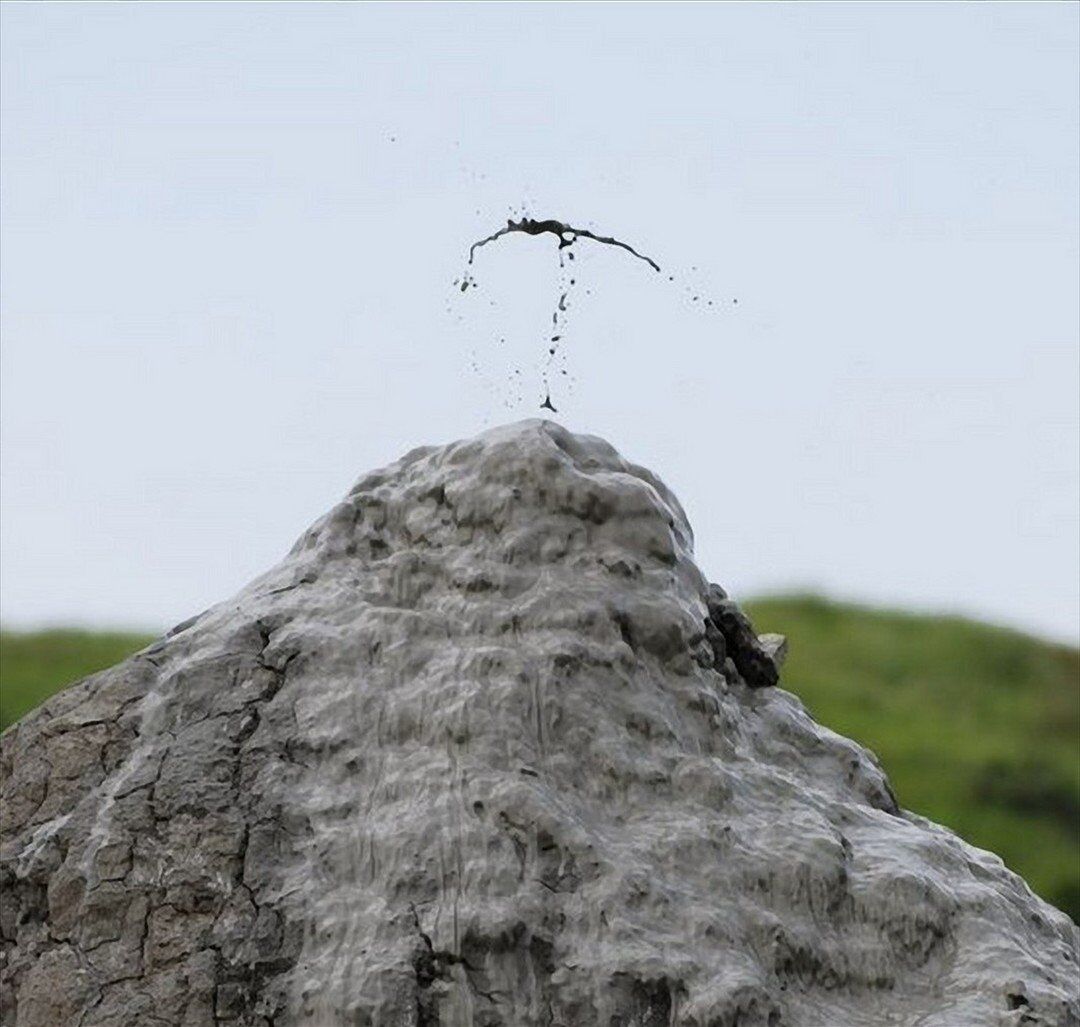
{"x": 566, "y": 234}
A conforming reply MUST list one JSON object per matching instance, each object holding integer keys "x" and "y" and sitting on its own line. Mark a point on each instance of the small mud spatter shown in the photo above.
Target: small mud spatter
{"x": 566, "y": 234}
{"x": 547, "y": 404}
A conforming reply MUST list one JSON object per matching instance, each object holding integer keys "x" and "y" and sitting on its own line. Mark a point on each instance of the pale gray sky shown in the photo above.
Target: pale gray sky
{"x": 230, "y": 232}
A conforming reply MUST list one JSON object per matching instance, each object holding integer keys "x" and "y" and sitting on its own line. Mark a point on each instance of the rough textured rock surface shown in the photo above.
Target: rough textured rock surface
{"x": 486, "y": 748}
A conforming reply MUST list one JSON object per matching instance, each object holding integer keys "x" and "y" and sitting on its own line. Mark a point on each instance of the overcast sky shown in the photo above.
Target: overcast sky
{"x": 230, "y": 234}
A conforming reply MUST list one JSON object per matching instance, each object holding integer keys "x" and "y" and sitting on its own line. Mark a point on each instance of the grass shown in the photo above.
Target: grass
{"x": 35, "y": 664}
{"x": 977, "y": 726}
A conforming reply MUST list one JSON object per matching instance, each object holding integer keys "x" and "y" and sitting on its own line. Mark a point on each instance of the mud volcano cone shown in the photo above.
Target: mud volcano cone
{"x": 487, "y": 748}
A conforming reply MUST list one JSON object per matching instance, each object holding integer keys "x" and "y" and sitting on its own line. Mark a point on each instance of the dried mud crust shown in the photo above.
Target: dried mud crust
{"x": 487, "y": 748}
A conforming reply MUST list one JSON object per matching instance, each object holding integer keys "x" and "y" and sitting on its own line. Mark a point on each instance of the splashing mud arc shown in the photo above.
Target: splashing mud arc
{"x": 567, "y": 235}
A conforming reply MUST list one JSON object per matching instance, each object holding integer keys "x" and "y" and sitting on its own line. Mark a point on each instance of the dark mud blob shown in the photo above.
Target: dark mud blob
{"x": 566, "y": 234}
{"x": 548, "y": 405}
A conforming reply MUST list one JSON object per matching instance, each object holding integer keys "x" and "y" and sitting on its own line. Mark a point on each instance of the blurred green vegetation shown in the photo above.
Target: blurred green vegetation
{"x": 34, "y": 664}
{"x": 978, "y": 727}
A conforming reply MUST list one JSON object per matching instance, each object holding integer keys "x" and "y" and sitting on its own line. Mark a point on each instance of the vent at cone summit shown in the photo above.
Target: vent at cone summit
{"x": 486, "y": 748}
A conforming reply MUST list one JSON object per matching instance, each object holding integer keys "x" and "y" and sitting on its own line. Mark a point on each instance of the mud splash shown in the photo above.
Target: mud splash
{"x": 566, "y": 234}
{"x": 553, "y": 367}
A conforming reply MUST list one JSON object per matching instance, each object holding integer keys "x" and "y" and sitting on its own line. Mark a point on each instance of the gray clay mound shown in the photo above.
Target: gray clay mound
{"x": 486, "y": 748}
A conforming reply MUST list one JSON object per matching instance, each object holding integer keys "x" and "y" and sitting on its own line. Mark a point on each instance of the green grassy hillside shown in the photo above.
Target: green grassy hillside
{"x": 978, "y": 727}
{"x": 35, "y": 664}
